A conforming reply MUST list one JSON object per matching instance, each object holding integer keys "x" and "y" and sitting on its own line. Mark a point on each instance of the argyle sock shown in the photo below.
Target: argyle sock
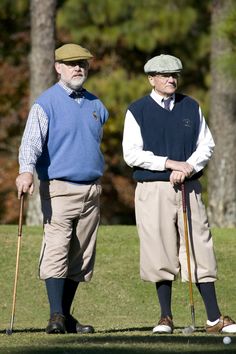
{"x": 55, "y": 288}
{"x": 164, "y": 292}
{"x": 207, "y": 291}
{"x": 70, "y": 288}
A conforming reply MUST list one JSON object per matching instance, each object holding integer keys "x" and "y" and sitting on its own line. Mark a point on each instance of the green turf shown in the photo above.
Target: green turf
{"x": 122, "y": 308}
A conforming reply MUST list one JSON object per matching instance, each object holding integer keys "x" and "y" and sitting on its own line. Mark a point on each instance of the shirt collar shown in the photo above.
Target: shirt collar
{"x": 71, "y": 92}
{"x": 159, "y": 99}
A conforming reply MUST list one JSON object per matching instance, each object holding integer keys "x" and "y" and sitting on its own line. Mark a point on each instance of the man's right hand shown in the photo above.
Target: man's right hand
{"x": 25, "y": 183}
{"x": 177, "y": 177}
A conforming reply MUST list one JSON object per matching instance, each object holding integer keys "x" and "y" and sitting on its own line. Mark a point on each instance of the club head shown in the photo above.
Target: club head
{"x": 188, "y": 330}
{"x": 9, "y": 331}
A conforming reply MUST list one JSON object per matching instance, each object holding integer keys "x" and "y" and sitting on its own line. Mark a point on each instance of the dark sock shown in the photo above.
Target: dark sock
{"x": 55, "y": 288}
{"x": 70, "y": 288}
{"x": 164, "y": 291}
{"x": 207, "y": 291}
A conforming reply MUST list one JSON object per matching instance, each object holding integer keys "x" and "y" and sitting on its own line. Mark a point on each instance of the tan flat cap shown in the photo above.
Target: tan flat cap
{"x": 163, "y": 64}
{"x": 72, "y": 52}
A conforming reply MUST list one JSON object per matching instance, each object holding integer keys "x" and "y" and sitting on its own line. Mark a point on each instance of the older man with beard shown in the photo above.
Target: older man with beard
{"x": 61, "y": 142}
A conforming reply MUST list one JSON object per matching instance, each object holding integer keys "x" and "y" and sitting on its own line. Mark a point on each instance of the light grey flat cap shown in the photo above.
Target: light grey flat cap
{"x": 163, "y": 64}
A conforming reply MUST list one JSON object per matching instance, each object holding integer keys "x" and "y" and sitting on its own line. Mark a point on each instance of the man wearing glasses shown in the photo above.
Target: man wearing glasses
{"x": 167, "y": 143}
{"x": 61, "y": 142}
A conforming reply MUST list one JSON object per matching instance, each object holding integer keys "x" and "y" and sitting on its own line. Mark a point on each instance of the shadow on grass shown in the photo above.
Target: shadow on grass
{"x": 116, "y": 330}
{"x": 25, "y": 330}
{"x": 111, "y": 342}
{"x": 149, "y": 329}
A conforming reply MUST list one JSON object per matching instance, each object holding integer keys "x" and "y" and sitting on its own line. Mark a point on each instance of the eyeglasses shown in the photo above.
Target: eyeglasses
{"x": 71, "y": 64}
{"x": 165, "y": 76}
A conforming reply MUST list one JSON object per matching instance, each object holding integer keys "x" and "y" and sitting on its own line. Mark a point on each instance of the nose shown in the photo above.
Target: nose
{"x": 77, "y": 67}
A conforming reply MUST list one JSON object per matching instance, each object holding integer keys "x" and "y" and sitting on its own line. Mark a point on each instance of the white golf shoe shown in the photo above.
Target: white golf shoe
{"x": 225, "y": 324}
{"x": 164, "y": 326}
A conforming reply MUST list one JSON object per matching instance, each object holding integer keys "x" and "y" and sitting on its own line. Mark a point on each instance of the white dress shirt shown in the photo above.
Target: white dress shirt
{"x": 134, "y": 155}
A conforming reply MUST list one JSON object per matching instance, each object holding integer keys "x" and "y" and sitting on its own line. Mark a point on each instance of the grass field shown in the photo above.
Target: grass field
{"x": 121, "y": 307}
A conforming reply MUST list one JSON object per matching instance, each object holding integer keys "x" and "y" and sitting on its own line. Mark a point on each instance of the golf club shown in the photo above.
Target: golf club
{"x": 189, "y": 329}
{"x": 10, "y": 329}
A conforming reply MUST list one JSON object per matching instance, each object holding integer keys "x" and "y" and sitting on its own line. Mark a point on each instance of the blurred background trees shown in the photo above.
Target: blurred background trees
{"x": 122, "y": 35}
{"x": 42, "y": 73}
{"x": 222, "y": 168}
{"x": 14, "y": 93}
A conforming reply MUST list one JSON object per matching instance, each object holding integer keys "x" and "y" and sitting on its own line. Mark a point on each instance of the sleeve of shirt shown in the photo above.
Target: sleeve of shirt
{"x": 33, "y": 139}
{"x": 133, "y": 152}
{"x": 205, "y": 146}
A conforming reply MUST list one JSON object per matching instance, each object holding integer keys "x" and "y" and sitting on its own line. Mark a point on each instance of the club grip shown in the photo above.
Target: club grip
{"x": 183, "y": 197}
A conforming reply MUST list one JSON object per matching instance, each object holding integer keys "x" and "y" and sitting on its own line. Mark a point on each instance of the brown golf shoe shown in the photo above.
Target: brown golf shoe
{"x": 73, "y": 326}
{"x": 225, "y": 325}
{"x": 56, "y": 324}
{"x": 164, "y": 326}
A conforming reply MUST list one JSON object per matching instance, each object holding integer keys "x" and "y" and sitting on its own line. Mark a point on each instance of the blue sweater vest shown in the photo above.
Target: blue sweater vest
{"x": 166, "y": 133}
{"x": 72, "y": 149}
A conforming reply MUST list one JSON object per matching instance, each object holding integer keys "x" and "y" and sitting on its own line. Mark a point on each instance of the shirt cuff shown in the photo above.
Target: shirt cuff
{"x": 160, "y": 164}
{"x": 24, "y": 169}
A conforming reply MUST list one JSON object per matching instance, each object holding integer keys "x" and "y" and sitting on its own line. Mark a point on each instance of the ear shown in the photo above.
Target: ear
{"x": 58, "y": 67}
{"x": 151, "y": 80}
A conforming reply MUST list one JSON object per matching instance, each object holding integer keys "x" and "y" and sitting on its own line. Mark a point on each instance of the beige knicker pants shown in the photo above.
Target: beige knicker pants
{"x": 159, "y": 218}
{"x": 71, "y": 218}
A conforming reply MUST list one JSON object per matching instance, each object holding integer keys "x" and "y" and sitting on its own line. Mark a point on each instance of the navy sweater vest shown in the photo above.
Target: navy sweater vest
{"x": 166, "y": 133}
{"x": 72, "y": 149}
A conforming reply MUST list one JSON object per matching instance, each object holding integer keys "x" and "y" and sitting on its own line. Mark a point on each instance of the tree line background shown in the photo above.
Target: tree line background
{"x": 122, "y": 35}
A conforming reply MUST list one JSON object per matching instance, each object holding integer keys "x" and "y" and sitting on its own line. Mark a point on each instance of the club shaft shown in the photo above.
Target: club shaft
{"x": 188, "y": 254}
{"x": 17, "y": 262}
{"x": 193, "y": 315}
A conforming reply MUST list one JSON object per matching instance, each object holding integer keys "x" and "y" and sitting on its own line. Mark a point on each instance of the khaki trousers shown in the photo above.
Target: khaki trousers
{"x": 71, "y": 218}
{"x": 159, "y": 218}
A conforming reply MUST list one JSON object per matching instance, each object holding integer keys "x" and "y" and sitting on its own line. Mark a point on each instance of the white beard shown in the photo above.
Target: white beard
{"x": 77, "y": 82}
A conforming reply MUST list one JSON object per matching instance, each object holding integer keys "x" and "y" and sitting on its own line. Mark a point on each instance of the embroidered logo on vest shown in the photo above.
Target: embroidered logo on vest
{"x": 95, "y": 115}
{"x": 187, "y": 122}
